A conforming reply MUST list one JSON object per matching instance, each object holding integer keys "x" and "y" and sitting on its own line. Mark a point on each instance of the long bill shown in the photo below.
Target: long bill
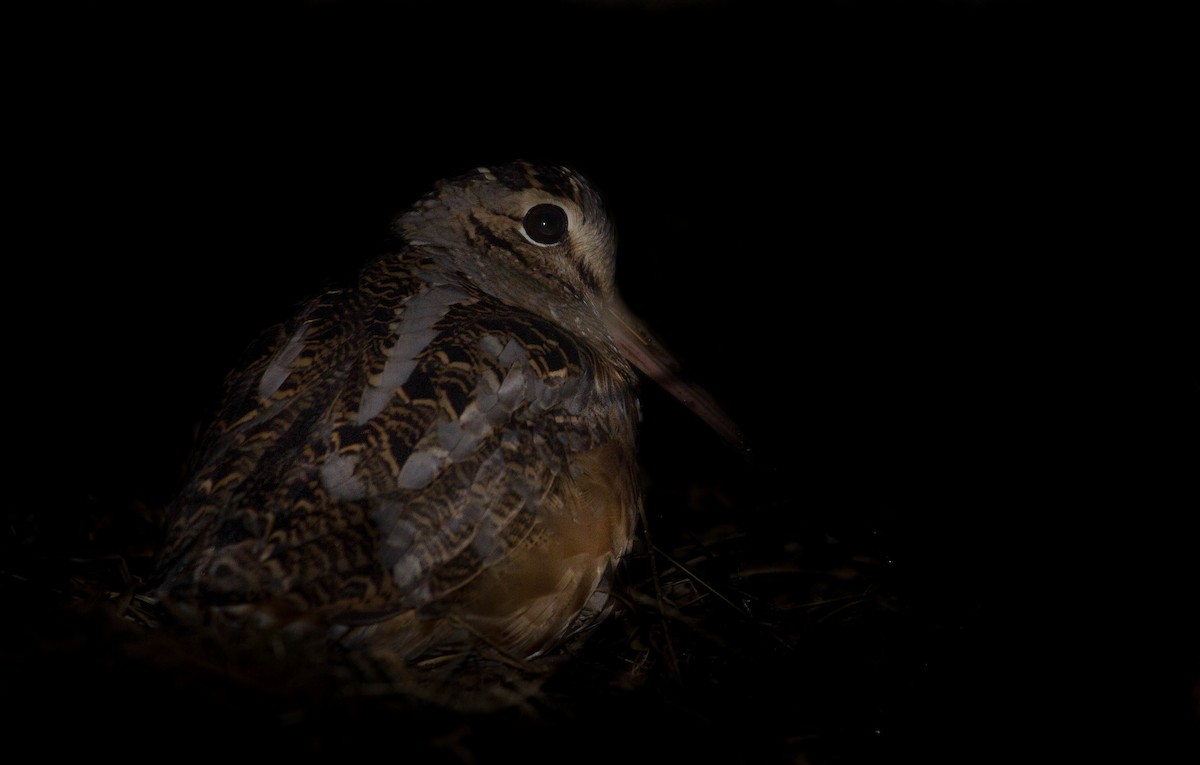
{"x": 648, "y": 354}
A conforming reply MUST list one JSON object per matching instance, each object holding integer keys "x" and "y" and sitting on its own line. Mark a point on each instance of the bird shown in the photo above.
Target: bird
{"x": 442, "y": 454}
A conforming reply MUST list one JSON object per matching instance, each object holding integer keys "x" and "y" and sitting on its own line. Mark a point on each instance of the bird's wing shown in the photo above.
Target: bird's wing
{"x": 388, "y": 445}
{"x": 496, "y": 419}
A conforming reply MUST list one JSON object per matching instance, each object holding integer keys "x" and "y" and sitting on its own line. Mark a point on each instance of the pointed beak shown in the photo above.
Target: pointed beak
{"x": 644, "y": 351}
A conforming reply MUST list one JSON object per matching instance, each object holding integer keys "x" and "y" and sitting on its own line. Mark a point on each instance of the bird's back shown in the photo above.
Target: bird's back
{"x": 412, "y": 461}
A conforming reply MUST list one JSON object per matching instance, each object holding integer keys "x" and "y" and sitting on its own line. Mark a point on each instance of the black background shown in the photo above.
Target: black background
{"x": 894, "y": 239}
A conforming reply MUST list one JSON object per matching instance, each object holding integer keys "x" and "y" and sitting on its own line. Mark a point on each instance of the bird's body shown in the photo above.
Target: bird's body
{"x": 443, "y": 452}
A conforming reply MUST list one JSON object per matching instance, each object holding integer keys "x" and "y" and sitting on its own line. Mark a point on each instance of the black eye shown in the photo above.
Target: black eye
{"x": 546, "y": 224}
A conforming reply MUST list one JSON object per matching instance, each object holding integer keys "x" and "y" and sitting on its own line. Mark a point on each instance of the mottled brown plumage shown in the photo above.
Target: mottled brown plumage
{"x": 442, "y": 453}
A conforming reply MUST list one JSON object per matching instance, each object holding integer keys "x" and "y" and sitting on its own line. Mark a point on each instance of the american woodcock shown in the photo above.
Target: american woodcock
{"x": 444, "y": 452}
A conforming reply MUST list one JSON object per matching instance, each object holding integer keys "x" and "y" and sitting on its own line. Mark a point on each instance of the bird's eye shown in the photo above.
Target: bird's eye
{"x": 545, "y": 224}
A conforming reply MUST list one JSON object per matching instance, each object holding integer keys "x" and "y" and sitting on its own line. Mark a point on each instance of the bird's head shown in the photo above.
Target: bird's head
{"x": 538, "y": 237}
{"x": 532, "y": 235}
